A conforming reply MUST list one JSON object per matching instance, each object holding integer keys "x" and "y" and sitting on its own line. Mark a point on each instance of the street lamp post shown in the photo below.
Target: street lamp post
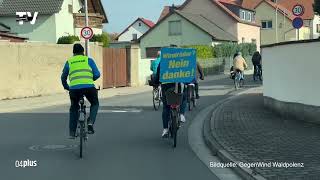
{"x": 87, "y": 25}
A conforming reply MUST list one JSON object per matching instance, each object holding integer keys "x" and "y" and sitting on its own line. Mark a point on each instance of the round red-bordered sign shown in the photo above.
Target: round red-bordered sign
{"x": 298, "y": 10}
{"x": 86, "y": 33}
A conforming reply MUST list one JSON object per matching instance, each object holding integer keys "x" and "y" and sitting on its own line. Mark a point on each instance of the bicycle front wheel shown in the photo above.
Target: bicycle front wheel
{"x": 82, "y": 136}
{"x": 156, "y": 98}
{"x": 190, "y": 98}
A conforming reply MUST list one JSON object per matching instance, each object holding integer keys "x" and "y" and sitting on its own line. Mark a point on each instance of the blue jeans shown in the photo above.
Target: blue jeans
{"x": 166, "y": 107}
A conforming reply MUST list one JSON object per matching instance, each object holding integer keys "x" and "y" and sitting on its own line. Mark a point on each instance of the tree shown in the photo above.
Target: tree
{"x": 316, "y": 7}
{"x": 103, "y": 38}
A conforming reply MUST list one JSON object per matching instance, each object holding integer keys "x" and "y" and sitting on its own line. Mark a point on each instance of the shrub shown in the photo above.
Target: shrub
{"x": 229, "y": 49}
{"x": 203, "y": 51}
{"x": 103, "y": 38}
{"x": 68, "y": 39}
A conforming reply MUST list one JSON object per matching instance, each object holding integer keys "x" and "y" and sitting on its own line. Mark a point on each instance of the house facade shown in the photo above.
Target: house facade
{"x": 228, "y": 15}
{"x": 135, "y": 30}
{"x": 275, "y": 19}
{"x": 63, "y": 18}
{"x": 201, "y": 22}
{"x": 181, "y": 29}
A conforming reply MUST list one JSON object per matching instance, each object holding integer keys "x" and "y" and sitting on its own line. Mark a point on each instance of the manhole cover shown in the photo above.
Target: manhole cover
{"x": 53, "y": 147}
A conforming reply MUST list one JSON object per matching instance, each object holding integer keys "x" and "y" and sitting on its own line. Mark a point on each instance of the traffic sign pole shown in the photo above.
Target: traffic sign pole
{"x": 87, "y": 25}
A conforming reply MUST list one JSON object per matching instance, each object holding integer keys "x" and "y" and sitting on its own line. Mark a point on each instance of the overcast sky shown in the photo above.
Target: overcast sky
{"x": 122, "y": 13}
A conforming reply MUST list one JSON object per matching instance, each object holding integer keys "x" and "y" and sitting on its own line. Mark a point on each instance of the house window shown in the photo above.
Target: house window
{"x": 139, "y": 24}
{"x": 242, "y": 15}
{"x": 70, "y": 8}
{"x": 249, "y": 16}
{"x": 266, "y": 24}
{"x": 152, "y": 52}
{"x": 175, "y": 28}
{"x": 134, "y": 37}
{"x": 318, "y": 28}
{"x": 243, "y": 40}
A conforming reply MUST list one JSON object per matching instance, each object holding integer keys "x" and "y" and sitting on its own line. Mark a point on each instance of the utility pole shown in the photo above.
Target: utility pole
{"x": 87, "y": 25}
{"x": 276, "y": 22}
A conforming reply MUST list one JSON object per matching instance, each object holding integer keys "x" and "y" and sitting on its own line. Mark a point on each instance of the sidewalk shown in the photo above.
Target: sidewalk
{"x": 62, "y": 98}
{"x": 249, "y": 133}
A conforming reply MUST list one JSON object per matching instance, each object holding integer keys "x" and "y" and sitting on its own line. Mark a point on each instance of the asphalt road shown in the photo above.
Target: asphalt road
{"x": 127, "y": 143}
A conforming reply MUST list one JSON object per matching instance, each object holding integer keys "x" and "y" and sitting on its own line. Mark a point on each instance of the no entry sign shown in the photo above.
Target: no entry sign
{"x": 86, "y": 33}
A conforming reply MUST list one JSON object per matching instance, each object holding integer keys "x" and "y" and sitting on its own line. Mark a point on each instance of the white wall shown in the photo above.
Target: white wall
{"x": 316, "y": 21}
{"x": 134, "y": 29}
{"x": 291, "y": 73}
{"x": 64, "y": 21}
{"x": 144, "y": 70}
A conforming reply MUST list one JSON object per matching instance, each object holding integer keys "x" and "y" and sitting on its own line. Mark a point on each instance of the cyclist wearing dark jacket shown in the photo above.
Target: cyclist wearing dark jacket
{"x": 257, "y": 62}
{"x": 82, "y": 72}
{"x": 199, "y": 75}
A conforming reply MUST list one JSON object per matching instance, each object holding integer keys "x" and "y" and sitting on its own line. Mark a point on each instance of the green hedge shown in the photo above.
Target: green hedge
{"x": 203, "y": 51}
{"x": 103, "y": 38}
{"x": 223, "y": 50}
{"x": 68, "y": 39}
{"x": 229, "y": 49}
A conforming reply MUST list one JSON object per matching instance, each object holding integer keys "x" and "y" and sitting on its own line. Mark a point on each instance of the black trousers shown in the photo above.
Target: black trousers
{"x": 92, "y": 95}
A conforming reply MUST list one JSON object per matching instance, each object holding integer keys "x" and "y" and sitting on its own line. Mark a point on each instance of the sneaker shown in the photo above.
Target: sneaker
{"x": 165, "y": 133}
{"x": 90, "y": 129}
{"x": 197, "y": 96}
{"x": 182, "y": 118}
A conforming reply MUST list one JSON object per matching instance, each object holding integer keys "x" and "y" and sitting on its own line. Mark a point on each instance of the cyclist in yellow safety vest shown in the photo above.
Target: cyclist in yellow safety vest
{"x": 82, "y": 72}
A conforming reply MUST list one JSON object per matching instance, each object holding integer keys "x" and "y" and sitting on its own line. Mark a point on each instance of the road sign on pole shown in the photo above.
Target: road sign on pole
{"x": 86, "y": 33}
{"x": 297, "y": 22}
{"x": 87, "y": 25}
{"x": 298, "y": 10}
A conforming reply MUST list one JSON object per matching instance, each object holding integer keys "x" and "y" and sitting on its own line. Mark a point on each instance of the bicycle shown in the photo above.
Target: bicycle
{"x": 238, "y": 80}
{"x": 257, "y": 73}
{"x": 191, "y": 99}
{"x": 174, "y": 100}
{"x": 156, "y": 97}
{"x": 82, "y": 125}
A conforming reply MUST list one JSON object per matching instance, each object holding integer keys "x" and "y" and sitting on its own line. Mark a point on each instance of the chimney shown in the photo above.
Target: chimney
{"x": 172, "y": 8}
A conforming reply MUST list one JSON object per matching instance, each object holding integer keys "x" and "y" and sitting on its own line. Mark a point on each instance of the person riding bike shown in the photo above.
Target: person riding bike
{"x": 82, "y": 72}
{"x": 257, "y": 64}
{"x": 166, "y": 108}
{"x": 239, "y": 64}
{"x": 153, "y": 67}
{"x": 196, "y": 82}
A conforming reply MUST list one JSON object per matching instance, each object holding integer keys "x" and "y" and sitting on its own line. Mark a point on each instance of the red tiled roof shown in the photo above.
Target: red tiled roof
{"x": 147, "y": 22}
{"x": 251, "y": 4}
{"x": 230, "y": 13}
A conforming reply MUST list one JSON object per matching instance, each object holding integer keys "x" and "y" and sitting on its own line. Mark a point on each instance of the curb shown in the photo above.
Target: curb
{"x": 218, "y": 150}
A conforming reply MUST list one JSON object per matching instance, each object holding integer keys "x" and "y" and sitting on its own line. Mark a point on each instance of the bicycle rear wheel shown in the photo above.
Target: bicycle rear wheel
{"x": 174, "y": 126}
{"x": 156, "y": 98}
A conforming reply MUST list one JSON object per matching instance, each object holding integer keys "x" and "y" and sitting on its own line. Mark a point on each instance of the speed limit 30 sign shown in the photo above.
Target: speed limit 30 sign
{"x": 86, "y": 33}
{"x": 298, "y": 10}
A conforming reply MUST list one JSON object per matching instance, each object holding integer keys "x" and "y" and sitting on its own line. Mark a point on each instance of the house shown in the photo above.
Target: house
{"x": 135, "y": 30}
{"x": 5, "y": 34}
{"x": 277, "y": 27}
{"x": 55, "y": 18}
{"x": 205, "y": 22}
